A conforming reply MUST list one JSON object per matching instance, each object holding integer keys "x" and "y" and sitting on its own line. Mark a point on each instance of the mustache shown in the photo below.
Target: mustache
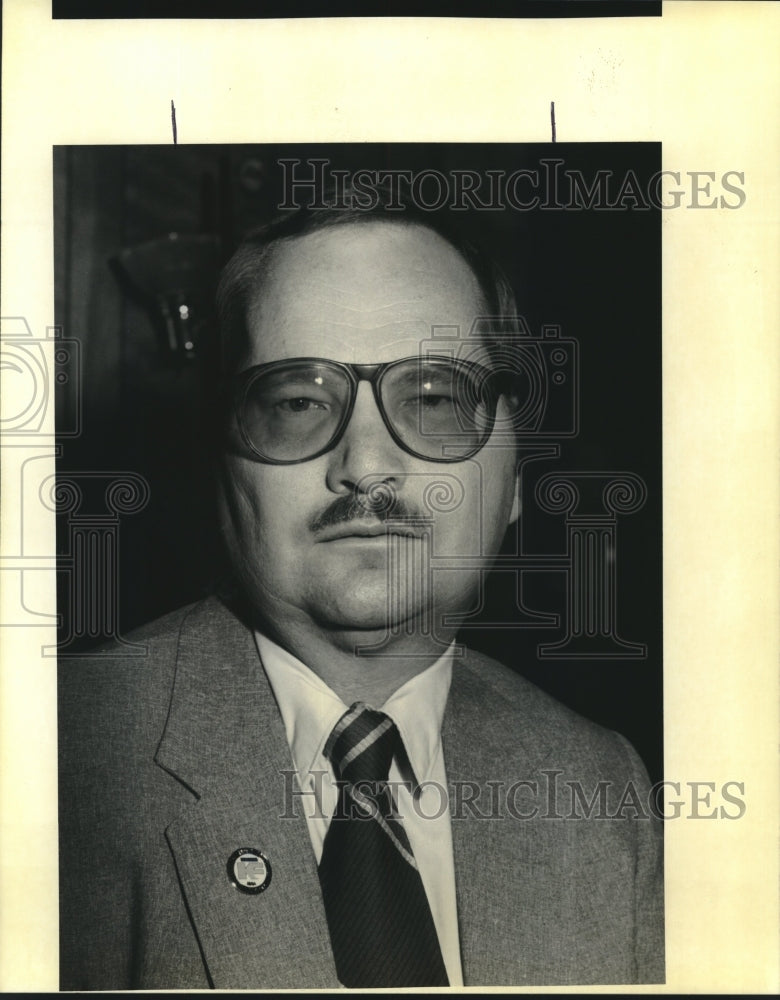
{"x": 378, "y": 504}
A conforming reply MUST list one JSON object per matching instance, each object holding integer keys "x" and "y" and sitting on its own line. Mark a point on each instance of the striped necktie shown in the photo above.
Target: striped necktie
{"x": 381, "y": 927}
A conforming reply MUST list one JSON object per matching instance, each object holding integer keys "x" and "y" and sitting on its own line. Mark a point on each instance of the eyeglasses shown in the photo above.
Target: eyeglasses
{"x": 436, "y": 408}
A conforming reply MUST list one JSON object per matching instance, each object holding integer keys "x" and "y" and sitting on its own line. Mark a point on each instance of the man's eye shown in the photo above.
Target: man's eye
{"x": 429, "y": 401}
{"x": 300, "y": 404}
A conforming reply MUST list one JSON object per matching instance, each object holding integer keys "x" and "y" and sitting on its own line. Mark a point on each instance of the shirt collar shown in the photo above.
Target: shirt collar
{"x": 417, "y": 708}
{"x": 310, "y": 709}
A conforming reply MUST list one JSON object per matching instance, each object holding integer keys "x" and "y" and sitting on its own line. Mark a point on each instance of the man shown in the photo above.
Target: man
{"x": 306, "y": 785}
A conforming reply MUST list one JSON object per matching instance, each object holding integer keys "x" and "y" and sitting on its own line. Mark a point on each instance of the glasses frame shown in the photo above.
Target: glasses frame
{"x": 374, "y": 374}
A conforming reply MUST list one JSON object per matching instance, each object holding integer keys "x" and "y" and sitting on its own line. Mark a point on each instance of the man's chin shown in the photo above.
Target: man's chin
{"x": 362, "y": 598}
{"x": 361, "y": 605}
{"x": 360, "y": 617}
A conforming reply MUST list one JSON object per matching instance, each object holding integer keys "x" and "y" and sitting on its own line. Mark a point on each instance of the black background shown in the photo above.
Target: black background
{"x": 596, "y": 273}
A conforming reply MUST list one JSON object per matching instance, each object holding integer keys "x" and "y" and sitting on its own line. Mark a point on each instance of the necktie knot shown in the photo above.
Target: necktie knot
{"x": 362, "y": 745}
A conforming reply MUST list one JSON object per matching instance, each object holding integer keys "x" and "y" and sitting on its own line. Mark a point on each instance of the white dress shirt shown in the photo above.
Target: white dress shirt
{"x": 310, "y": 710}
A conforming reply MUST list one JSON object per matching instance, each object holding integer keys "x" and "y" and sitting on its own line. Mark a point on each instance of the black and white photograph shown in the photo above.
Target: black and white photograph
{"x": 382, "y": 607}
{"x": 315, "y": 557}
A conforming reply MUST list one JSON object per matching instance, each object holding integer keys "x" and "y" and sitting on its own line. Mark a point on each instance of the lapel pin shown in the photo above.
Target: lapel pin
{"x": 249, "y": 870}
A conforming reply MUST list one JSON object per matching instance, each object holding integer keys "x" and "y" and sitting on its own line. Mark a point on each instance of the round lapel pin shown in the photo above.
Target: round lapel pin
{"x": 249, "y": 870}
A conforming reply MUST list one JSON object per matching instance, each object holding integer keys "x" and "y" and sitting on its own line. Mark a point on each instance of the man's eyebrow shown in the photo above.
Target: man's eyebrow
{"x": 303, "y": 371}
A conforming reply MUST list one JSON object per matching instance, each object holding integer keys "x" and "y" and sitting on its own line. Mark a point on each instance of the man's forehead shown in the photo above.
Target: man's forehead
{"x": 368, "y": 291}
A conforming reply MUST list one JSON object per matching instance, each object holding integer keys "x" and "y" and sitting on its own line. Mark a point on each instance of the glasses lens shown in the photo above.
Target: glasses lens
{"x": 440, "y": 409}
{"x": 290, "y": 412}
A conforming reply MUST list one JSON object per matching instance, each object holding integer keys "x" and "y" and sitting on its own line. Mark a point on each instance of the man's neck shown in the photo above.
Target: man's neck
{"x": 353, "y": 663}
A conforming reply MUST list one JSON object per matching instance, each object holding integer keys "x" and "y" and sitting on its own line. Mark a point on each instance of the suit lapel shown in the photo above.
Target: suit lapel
{"x": 224, "y": 739}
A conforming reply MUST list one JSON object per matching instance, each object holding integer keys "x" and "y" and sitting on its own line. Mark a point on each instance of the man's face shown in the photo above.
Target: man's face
{"x": 363, "y": 294}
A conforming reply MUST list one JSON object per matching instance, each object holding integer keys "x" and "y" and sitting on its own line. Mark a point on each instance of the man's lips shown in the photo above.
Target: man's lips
{"x": 365, "y": 529}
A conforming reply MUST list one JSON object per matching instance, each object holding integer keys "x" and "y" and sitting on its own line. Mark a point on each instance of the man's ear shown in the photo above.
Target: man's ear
{"x": 516, "y": 503}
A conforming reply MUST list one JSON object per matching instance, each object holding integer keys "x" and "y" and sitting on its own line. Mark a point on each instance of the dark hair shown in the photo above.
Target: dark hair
{"x": 252, "y": 259}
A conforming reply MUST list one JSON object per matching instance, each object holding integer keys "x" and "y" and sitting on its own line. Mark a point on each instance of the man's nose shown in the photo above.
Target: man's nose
{"x": 366, "y": 455}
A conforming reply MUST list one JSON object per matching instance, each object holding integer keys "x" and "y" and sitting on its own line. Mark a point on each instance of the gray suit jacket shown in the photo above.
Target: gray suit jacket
{"x": 172, "y": 761}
